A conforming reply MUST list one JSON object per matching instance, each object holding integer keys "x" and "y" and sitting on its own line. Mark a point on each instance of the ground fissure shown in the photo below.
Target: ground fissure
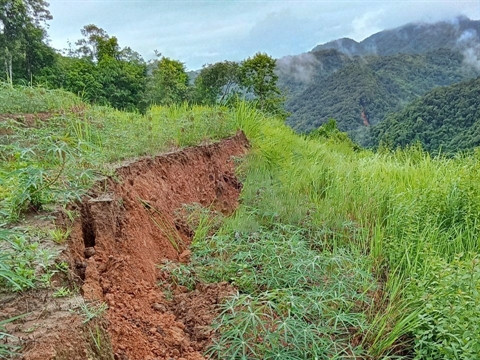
{"x": 128, "y": 225}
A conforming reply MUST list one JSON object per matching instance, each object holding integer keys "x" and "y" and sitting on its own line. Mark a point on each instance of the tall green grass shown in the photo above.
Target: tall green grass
{"x": 401, "y": 219}
{"x": 336, "y": 252}
{"x": 27, "y": 99}
{"x": 57, "y": 161}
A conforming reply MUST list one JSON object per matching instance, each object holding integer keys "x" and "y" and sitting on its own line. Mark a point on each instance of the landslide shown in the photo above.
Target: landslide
{"x": 127, "y": 225}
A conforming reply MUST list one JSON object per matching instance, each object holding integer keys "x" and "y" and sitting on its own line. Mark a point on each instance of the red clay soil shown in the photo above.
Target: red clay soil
{"x": 129, "y": 225}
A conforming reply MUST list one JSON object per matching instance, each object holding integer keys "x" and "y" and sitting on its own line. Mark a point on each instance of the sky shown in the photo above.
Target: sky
{"x": 199, "y": 32}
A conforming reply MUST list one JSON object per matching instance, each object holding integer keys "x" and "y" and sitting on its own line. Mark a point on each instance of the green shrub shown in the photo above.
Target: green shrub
{"x": 450, "y": 319}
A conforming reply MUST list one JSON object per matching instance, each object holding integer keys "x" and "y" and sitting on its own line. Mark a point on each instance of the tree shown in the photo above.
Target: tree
{"x": 217, "y": 82}
{"x": 95, "y": 44}
{"x": 169, "y": 83}
{"x": 21, "y": 34}
{"x": 101, "y": 72}
{"x": 122, "y": 82}
{"x": 258, "y": 76}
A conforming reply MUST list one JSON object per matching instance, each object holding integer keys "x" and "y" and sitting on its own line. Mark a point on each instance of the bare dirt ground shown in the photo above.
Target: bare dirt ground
{"x": 126, "y": 227}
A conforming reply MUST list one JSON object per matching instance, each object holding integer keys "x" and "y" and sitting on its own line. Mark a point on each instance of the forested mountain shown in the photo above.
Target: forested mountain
{"x": 415, "y": 38}
{"x": 367, "y": 88}
{"x": 296, "y": 73}
{"x": 446, "y": 119}
{"x": 359, "y": 83}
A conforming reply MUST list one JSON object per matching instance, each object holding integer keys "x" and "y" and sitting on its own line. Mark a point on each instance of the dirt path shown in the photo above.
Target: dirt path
{"x": 126, "y": 228}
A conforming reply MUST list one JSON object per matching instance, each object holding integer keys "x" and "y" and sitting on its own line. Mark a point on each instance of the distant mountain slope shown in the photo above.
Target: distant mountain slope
{"x": 458, "y": 33}
{"x": 367, "y": 88}
{"x": 359, "y": 83}
{"x": 296, "y": 73}
{"x": 447, "y": 118}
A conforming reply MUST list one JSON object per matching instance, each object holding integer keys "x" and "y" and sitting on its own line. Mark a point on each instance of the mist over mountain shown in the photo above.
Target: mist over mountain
{"x": 459, "y": 33}
{"x": 358, "y": 84}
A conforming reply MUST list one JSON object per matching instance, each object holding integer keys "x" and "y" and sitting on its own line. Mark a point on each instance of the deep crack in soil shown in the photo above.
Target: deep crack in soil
{"x": 128, "y": 225}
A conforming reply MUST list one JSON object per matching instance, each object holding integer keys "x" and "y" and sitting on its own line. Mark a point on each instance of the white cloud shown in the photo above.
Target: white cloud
{"x": 367, "y": 24}
{"x": 201, "y": 31}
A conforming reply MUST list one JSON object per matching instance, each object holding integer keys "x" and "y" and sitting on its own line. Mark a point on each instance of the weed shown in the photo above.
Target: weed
{"x": 59, "y": 235}
{"x": 62, "y": 292}
{"x": 168, "y": 293}
{"x": 91, "y": 311}
{"x": 180, "y": 274}
{"x": 96, "y": 337}
{"x": 163, "y": 225}
{"x": 26, "y": 99}
{"x": 7, "y": 351}
{"x": 23, "y": 262}
{"x": 71, "y": 214}
{"x": 337, "y": 253}
{"x": 448, "y": 325}
{"x": 62, "y": 266}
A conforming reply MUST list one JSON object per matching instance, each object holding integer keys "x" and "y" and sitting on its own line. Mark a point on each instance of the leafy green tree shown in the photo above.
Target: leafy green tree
{"x": 217, "y": 82}
{"x": 101, "y": 72}
{"x": 21, "y": 37}
{"x": 122, "y": 82}
{"x": 330, "y": 131}
{"x": 169, "y": 83}
{"x": 95, "y": 43}
{"x": 258, "y": 76}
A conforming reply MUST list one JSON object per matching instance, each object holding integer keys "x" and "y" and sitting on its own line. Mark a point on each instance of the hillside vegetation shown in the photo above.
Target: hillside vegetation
{"x": 359, "y": 83}
{"x": 356, "y": 83}
{"x": 335, "y": 252}
{"x": 362, "y": 92}
{"x": 446, "y": 119}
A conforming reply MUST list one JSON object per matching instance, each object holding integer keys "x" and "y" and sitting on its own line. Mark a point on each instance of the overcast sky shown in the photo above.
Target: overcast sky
{"x": 197, "y": 32}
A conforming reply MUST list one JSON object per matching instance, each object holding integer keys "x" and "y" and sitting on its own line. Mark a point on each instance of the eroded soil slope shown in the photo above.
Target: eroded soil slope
{"x": 128, "y": 225}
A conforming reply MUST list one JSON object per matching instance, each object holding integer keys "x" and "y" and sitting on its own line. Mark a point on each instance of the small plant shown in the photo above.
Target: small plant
{"x": 168, "y": 293}
{"x": 71, "y": 214}
{"x": 90, "y": 311}
{"x": 96, "y": 337}
{"x": 62, "y": 267}
{"x": 7, "y": 351}
{"x": 59, "y": 235}
{"x": 163, "y": 225}
{"x": 23, "y": 262}
{"x": 450, "y": 315}
{"x": 62, "y": 292}
{"x": 180, "y": 274}
{"x": 203, "y": 220}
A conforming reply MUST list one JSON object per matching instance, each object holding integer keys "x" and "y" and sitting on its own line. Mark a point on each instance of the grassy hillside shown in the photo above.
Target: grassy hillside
{"x": 446, "y": 119}
{"x": 335, "y": 252}
{"x": 364, "y": 91}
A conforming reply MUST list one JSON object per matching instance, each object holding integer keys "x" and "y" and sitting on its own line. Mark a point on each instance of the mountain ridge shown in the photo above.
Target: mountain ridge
{"x": 359, "y": 90}
{"x": 412, "y": 38}
{"x": 446, "y": 118}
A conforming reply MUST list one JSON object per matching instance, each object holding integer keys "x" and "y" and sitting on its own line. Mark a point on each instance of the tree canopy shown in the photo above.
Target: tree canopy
{"x": 169, "y": 82}
{"x": 217, "y": 82}
{"x": 446, "y": 119}
{"x": 22, "y": 31}
{"x": 259, "y": 77}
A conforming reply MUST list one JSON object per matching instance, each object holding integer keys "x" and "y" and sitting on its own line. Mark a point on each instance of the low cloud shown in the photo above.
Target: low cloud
{"x": 469, "y": 42}
{"x": 301, "y": 68}
{"x": 472, "y": 57}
